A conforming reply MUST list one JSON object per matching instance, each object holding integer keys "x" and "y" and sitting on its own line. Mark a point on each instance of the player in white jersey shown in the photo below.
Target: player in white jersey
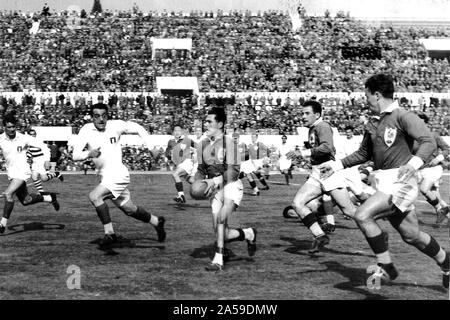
{"x": 14, "y": 146}
{"x": 37, "y": 156}
{"x": 102, "y": 140}
{"x": 285, "y": 164}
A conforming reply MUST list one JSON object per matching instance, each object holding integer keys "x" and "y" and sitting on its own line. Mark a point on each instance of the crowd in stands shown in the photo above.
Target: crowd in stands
{"x": 233, "y": 52}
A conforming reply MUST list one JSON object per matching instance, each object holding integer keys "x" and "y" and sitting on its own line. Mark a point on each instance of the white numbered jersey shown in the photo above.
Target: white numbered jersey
{"x": 110, "y": 159}
{"x": 15, "y": 151}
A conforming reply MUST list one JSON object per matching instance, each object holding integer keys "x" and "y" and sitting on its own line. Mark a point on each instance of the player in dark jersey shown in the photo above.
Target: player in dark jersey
{"x": 390, "y": 146}
{"x": 258, "y": 156}
{"x": 180, "y": 153}
{"x": 218, "y": 165}
{"x": 322, "y": 149}
{"x": 431, "y": 173}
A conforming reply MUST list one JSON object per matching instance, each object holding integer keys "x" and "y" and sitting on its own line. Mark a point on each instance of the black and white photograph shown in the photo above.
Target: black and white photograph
{"x": 224, "y": 156}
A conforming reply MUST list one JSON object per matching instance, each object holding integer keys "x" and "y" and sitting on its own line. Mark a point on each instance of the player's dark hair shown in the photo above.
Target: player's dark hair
{"x": 177, "y": 125}
{"x": 10, "y": 118}
{"x": 382, "y": 83}
{"x": 219, "y": 114}
{"x": 100, "y": 106}
{"x": 424, "y": 117}
{"x": 315, "y": 106}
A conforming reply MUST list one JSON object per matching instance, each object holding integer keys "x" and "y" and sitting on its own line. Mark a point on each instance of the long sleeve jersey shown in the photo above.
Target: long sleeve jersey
{"x": 389, "y": 143}
{"x": 219, "y": 157}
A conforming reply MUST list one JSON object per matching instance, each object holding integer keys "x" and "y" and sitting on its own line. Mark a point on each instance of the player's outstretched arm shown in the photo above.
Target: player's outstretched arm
{"x": 81, "y": 142}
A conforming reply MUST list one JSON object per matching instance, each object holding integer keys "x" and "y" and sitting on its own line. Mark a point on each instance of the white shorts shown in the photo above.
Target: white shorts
{"x": 188, "y": 166}
{"x": 431, "y": 174}
{"x": 38, "y": 166}
{"x": 352, "y": 179}
{"x": 248, "y": 167}
{"x": 284, "y": 163}
{"x": 117, "y": 183}
{"x": 19, "y": 171}
{"x": 403, "y": 193}
{"x": 233, "y": 191}
{"x": 335, "y": 181}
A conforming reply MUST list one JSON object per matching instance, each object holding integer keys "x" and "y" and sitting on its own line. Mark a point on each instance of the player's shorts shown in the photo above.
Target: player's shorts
{"x": 403, "y": 193}
{"x": 430, "y": 174}
{"x": 233, "y": 191}
{"x": 352, "y": 179}
{"x": 117, "y": 183}
{"x": 188, "y": 166}
{"x": 38, "y": 165}
{"x": 284, "y": 163}
{"x": 335, "y": 181}
{"x": 247, "y": 167}
{"x": 20, "y": 171}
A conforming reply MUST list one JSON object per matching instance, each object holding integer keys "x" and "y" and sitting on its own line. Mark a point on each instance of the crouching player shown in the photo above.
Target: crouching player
{"x": 219, "y": 164}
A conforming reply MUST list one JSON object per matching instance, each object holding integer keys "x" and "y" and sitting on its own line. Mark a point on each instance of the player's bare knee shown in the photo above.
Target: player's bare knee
{"x": 361, "y": 216}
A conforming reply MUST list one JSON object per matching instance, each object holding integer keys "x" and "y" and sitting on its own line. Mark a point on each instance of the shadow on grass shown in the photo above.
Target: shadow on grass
{"x": 298, "y": 246}
{"x": 137, "y": 243}
{"x": 207, "y": 251}
{"x": 33, "y": 226}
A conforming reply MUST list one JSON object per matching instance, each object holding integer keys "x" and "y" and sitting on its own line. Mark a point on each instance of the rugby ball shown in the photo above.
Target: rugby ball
{"x": 198, "y": 189}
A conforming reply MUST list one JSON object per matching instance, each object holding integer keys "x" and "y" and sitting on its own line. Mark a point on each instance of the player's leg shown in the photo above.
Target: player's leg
{"x": 49, "y": 175}
{"x": 261, "y": 179}
{"x": 253, "y": 184}
{"x": 124, "y": 203}
{"x": 310, "y": 190}
{"x": 407, "y": 225}
{"x": 37, "y": 181}
{"x": 328, "y": 210}
{"x": 343, "y": 201}
{"x": 377, "y": 206}
{"x": 27, "y": 198}
{"x": 286, "y": 176}
{"x": 8, "y": 207}
{"x": 97, "y": 198}
{"x": 176, "y": 175}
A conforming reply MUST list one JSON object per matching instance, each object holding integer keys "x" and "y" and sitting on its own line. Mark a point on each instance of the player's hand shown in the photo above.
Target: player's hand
{"x": 405, "y": 173}
{"x": 47, "y": 165}
{"x": 95, "y": 153}
{"x": 210, "y": 187}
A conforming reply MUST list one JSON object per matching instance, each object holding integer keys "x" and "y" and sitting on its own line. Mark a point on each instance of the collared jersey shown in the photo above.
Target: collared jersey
{"x": 258, "y": 150}
{"x": 389, "y": 143}
{"x": 110, "y": 159}
{"x": 320, "y": 138}
{"x": 15, "y": 151}
{"x": 219, "y": 157}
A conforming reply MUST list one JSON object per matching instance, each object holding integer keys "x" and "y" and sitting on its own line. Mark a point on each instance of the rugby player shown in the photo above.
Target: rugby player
{"x": 102, "y": 139}
{"x": 390, "y": 145}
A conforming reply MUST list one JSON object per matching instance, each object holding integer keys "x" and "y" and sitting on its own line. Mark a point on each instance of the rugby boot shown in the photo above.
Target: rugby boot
{"x": 251, "y": 245}
{"x": 319, "y": 243}
{"x": 54, "y": 201}
{"x": 160, "y": 229}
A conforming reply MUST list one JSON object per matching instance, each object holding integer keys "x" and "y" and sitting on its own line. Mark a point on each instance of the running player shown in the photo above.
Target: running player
{"x": 14, "y": 146}
{"x": 390, "y": 145}
{"x": 102, "y": 139}
{"x": 218, "y": 163}
{"x": 322, "y": 149}
{"x": 285, "y": 164}
{"x": 258, "y": 157}
{"x": 431, "y": 173}
{"x": 37, "y": 156}
{"x": 180, "y": 153}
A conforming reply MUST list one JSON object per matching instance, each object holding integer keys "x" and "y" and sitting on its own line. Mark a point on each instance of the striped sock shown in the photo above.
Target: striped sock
{"x": 38, "y": 185}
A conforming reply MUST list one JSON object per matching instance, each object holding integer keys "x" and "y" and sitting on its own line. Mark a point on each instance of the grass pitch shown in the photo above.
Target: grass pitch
{"x": 41, "y": 244}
